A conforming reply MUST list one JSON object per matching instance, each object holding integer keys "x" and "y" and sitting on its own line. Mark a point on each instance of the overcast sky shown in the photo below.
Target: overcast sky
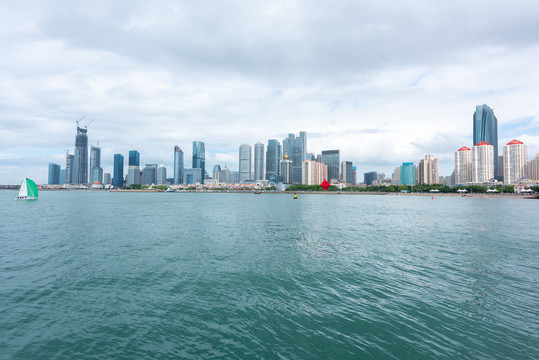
{"x": 383, "y": 81}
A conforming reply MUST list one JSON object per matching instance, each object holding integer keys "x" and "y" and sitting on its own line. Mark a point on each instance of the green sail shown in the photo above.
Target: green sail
{"x": 32, "y": 188}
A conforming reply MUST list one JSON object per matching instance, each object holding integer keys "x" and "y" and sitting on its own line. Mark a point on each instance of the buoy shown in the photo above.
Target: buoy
{"x": 433, "y": 198}
{"x": 295, "y": 196}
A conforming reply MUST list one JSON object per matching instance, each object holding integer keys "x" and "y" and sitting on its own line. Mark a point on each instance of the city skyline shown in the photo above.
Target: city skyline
{"x": 384, "y": 84}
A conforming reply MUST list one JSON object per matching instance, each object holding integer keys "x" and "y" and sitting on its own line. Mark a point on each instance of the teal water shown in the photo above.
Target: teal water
{"x": 93, "y": 275}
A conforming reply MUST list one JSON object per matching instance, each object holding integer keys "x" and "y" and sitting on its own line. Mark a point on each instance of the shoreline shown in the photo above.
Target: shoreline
{"x": 475, "y": 195}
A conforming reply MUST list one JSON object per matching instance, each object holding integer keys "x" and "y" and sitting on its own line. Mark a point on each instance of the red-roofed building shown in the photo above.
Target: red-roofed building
{"x": 482, "y": 162}
{"x": 463, "y": 165}
{"x": 515, "y": 161}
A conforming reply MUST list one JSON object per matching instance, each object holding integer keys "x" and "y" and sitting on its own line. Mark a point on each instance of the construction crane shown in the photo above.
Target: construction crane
{"x": 78, "y": 121}
{"x": 86, "y": 126}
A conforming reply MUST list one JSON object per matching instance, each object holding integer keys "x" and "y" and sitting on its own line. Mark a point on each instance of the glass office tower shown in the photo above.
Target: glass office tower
{"x": 96, "y": 172}
{"x": 485, "y": 128}
{"x": 245, "y": 163}
{"x": 80, "y": 165}
{"x": 259, "y": 161}
{"x": 273, "y": 156}
{"x": 54, "y": 174}
{"x": 407, "y": 173}
{"x": 178, "y": 165}
{"x": 118, "y": 172}
{"x": 134, "y": 158}
{"x": 332, "y": 158}
{"x": 199, "y": 158}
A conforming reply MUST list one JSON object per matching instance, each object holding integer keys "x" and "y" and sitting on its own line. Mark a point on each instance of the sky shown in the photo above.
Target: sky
{"x": 385, "y": 82}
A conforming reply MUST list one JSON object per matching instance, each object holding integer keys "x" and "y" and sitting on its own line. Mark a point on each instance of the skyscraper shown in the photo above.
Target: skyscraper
{"x": 332, "y": 159}
{"x": 178, "y": 165}
{"x": 273, "y": 156}
{"x": 245, "y": 163}
{"x": 134, "y": 158}
{"x": 298, "y": 156}
{"x": 428, "y": 170}
{"x": 347, "y": 172}
{"x": 215, "y": 171}
{"x": 161, "y": 175}
{"x": 80, "y": 166}
{"x": 313, "y": 172}
{"x": 259, "y": 161}
{"x": 407, "y": 173}
{"x": 96, "y": 172}
{"x": 485, "y": 128}
{"x": 149, "y": 174}
{"x": 286, "y": 169}
{"x": 370, "y": 177}
{"x": 482, "y": 162}
{"x": 133, "y": 175}
{"x": 118, "y": 171}
{"x": 70, "y": 159}
{"x": 463, "y": 165}
{"x": 515, "y": 162}
{"x": 54, "y": 174}
{"x": 533, "y": 168}
{"x": 199, "y": 158}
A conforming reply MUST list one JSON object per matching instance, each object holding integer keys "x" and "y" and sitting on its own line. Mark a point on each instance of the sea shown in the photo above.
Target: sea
{"x": 109, "y": 275}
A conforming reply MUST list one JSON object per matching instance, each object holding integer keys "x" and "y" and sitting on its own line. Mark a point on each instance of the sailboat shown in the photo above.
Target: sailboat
{"x": 28, "y": 190}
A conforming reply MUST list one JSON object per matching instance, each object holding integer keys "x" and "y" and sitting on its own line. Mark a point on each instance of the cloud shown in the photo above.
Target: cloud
{"x": 384, "y": 82}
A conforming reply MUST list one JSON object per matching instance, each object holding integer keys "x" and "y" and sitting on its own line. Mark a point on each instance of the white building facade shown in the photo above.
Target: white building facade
{"x": 482, "y": 162}
{"x": 463, "y": 165}
{"x": 515, "y": 161}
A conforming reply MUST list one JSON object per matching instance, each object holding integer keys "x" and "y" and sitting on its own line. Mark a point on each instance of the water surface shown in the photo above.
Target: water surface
{"x": 183, "y": 275}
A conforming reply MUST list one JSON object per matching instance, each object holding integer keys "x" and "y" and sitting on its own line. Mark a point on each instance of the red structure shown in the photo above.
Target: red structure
{"x": 325, "y": 185}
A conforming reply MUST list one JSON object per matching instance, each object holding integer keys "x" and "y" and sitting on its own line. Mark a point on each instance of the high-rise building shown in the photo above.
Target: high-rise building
{"x": 223, "y": 176}
{"x": 313, "y": 172}
{"x": 396, "y": 176}
{"x": 192, "y": 176}
{"x": 533, "y": 168}
{"x": 407, "y": 173}
{"x": 482, "y": 162}
{"x": 245, "y": 163}
{"x": 70, "y": 159}
{"x": 499, "y": 174}
{"x": 62, "y": 176}
{"x": 299, "y": 155}
{"x": 259, "y": 161}
{"x": 428, "y": 170}
{"x": 515, "y": 162}
{"x": 273, "y": 156}
{"x": 463, "y": 165}
{"x": 485, "y": 128}
{"x": 118, "y": 171}
{"x": 199, "y": 158}
{"x": 215, "y": 171}
{"x": 162, "y": 175}
{"x": 347, "y": 172}
{"x": 54, "y": 174}
{"x": 134, "y": 158}
{"x": 332, "y": 159}
{"x": 133, "y": 175}
{"x": 107, "y": 179}
{"x": 178, "y": 166}
{"x": 354, "y": 175}
{"x": 370, "y": 177}
{"x": 286, "y": 169}
{"x": 149, "y": 174}
{"x": 234, "y": 177}
{"x": 96, "y": 172}
{"x": 80, "y": 164}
